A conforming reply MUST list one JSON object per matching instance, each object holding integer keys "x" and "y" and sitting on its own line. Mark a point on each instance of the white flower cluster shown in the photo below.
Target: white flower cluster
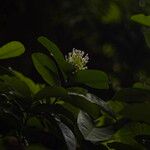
{"x": 78, "y": 59}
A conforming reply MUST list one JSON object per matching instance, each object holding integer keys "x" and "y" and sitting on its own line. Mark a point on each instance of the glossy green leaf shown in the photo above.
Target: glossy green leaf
{"x": 78, "y": 90}
{"x": 141, "y": 19}
{"x": 46, "y": 68}
{"x": 90, "y": 132}
{"x": 11, "y": 49}
{"x": 104, "y": 106}
{"x": 63, "y": 66}
{"x": 52, "y": 48}
{"x": 67, "y": 67}
{"x": 82, "y": 102}
{"x": 86, "y": 103}
{"x": 48, "y": 92}
{"x": 92, "y": 78}
{"x": 72, "y": 109}
{"x": 89, "y": 103}
{"x": 34, "y": 88}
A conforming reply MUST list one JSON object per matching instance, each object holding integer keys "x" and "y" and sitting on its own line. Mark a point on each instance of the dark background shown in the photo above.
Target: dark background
{"x": 102, "y": 28}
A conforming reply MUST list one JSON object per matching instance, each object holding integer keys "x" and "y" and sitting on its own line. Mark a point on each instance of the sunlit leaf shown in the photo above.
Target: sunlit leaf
{"x": 92, "y": 78}
{"x": 11, "y": 49}
{"x": 45, "y": 67}
{"x": 141, "y": 19}
{"x": 34, "y": 88}
{"x": 52, "y": 48}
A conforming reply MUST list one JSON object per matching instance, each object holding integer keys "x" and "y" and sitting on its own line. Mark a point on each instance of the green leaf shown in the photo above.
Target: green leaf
{"x": 132, "y": 95}
{"x": 14, "y": 84}
{"x": 34, "y": 122}
{"x": 11, "y": 49}
{"x": 90, "y": 132}
{"x": 34, "y": 88}
{"x": 92, "y": 78}
{"x": 72, "y": 109}
{"x": 128, "y": 132}
{"x": 61, "y": 131}
{"x": 58, "y": 110}
{"x": 52, "y": 48}
{"x": 88, "y": 103}
{"x": 137, "y": 112}
{"x": 141, "y": 19}
{"x": 112, "y": 14}
{"x": 82, "y": 102}
{"x": 77, "y": 90}
{"x": 48, "y": 92}
{"x": 63, "y": 66}
{"x": 46, "y": 68}
{"x": 67, "y": 68}
{"x": 140, "y": 85}
{"x": 104, "y": 106}
{"x": 116, "y": 106}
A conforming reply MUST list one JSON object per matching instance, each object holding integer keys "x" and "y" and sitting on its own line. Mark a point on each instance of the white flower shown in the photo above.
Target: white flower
{"x": 78, "y": 59}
